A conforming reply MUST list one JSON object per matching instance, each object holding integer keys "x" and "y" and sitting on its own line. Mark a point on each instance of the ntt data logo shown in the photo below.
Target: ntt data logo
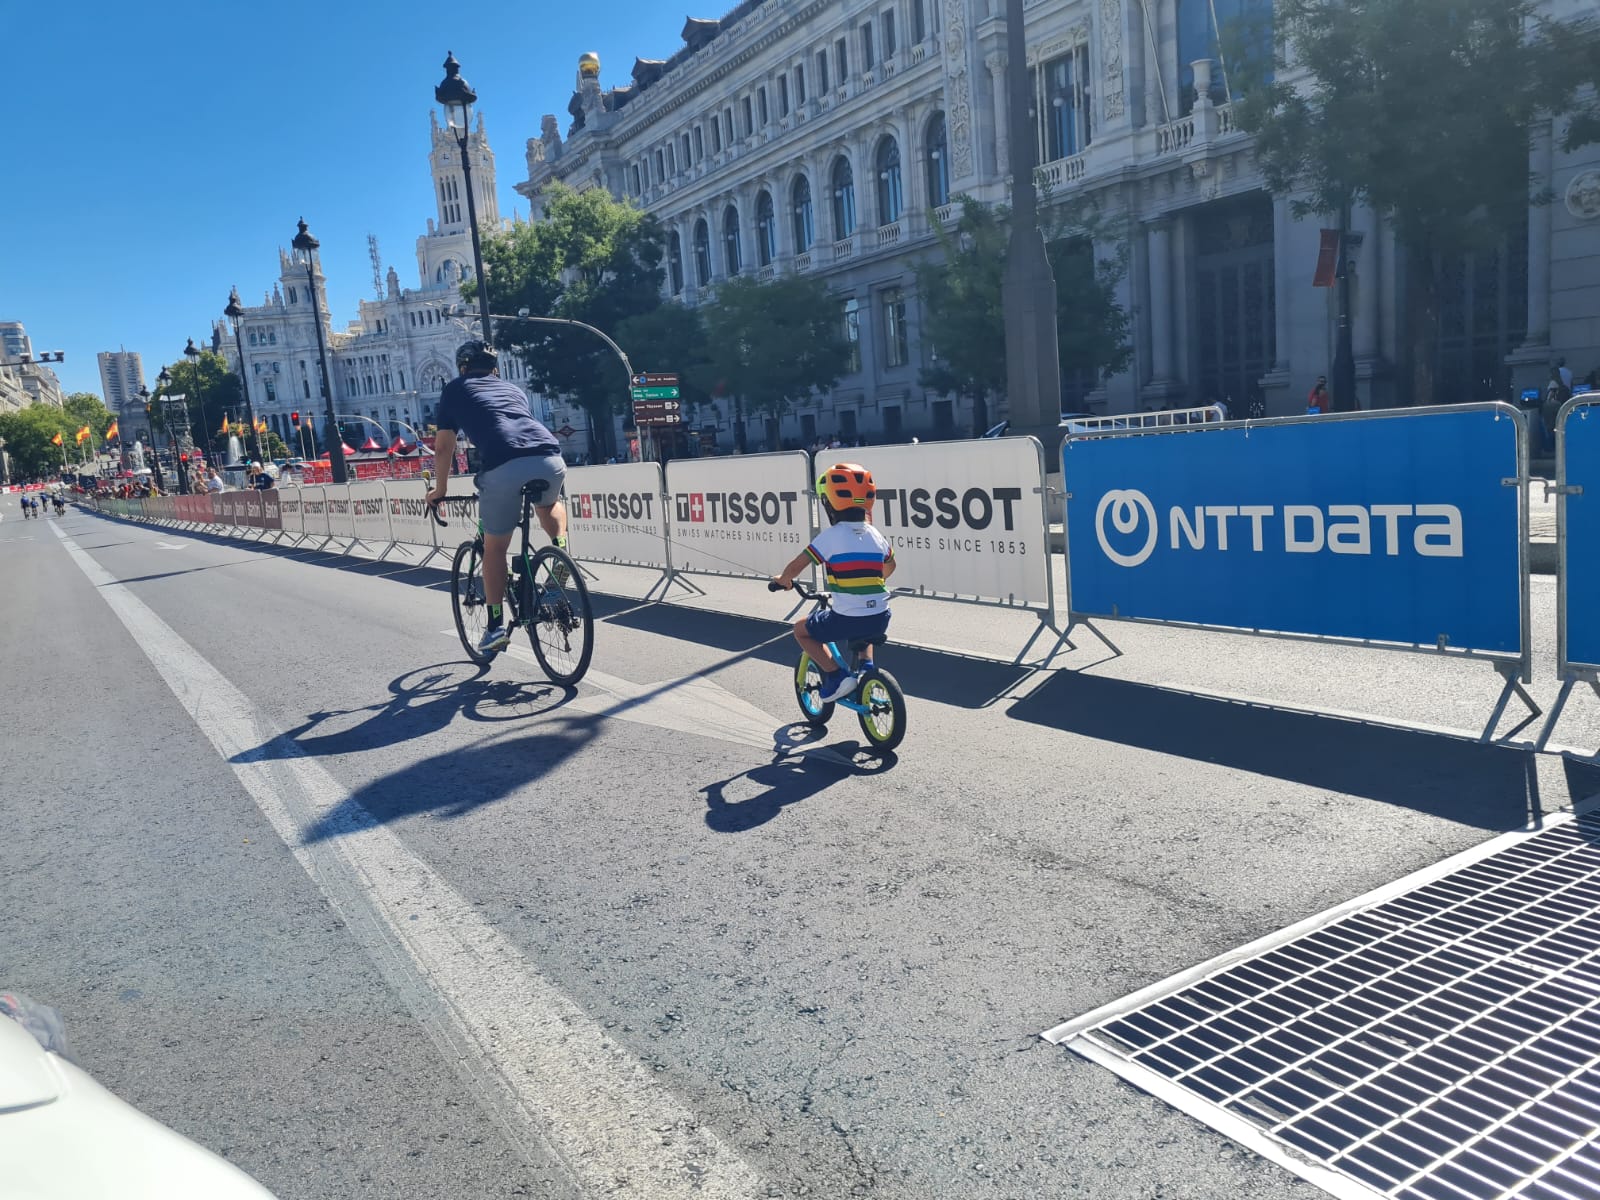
{"x": 1127, "y": 510}
{"x": 1129, "y": 530}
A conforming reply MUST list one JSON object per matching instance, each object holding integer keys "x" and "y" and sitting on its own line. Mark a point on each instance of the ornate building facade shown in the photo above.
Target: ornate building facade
{"x": 386, "y": 367}
{"x": 831, "y": 137}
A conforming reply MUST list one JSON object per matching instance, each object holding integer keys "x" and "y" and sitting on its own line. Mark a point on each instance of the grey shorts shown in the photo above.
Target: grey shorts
{"x": 500, "y": 490}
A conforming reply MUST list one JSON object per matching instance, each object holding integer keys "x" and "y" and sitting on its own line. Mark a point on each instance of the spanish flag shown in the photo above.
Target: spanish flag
{"x": 83, "y": 435}
{"x": 261, "y": 425}
{"x": 112, "y": 432}
{"x": 224, "y": 428}
{"x": 56, "y": 441}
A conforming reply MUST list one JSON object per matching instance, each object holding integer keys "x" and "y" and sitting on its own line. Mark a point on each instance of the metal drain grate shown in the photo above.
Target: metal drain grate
{"x": 1437, "y": 1040}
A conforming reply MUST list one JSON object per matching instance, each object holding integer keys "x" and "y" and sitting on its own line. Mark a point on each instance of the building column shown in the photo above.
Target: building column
{"x": 1162, "y": 384}
{"x": 996, "y": 63}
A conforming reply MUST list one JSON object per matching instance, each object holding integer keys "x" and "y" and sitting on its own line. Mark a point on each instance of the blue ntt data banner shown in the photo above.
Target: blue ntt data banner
{"x": 1391, "y": 527}
{"x": 1580, "y": 537}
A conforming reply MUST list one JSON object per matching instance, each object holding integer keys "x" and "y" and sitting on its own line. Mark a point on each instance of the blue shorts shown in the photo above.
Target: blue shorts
{"x": 828, "y": 626}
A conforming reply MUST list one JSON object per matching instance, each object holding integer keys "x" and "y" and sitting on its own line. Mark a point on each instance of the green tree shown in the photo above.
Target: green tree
{"x": 772, "y": 344}
{"x": 591, "y": 259}
{"x": 671, "y": 338}
{"x": 1419, "y": 108}
{"x": 963, "y": 311}
{"x": 211, "y": 392}
{"x": 28, "y": 433}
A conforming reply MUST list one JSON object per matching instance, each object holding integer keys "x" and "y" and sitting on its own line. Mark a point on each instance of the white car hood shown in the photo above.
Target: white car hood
{"x": 64, "y": 1137}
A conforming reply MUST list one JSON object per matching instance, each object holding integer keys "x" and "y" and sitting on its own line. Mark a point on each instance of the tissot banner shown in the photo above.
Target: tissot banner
{"x": 1399, "y": 526}
{"x": 614, "y": 514}
{"x": 966, "y": 518}
{"x": 746, "y": 515}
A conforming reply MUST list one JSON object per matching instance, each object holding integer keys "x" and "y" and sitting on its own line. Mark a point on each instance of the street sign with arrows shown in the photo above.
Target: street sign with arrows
{"x": 656, "y": 398}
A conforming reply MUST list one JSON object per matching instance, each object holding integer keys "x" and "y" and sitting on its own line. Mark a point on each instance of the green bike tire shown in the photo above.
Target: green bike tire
{"x": 885, "y": 721}
{"x": 808, "y": 692}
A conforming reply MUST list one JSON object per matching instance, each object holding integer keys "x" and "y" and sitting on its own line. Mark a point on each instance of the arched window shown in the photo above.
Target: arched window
{"x": 890, "y": 196}
{"x": 675, "y": 262}
{"x": 702, "y": 253}
{"x": 844, "y": 198}
{"x": 252, "y": 337}
{"x": 805, "y": 229}
{"x": 766, "y": 230}
{"x": 272, "y": 337}
{"x": 938, "y": 148}
{"x": 730, "y": 238}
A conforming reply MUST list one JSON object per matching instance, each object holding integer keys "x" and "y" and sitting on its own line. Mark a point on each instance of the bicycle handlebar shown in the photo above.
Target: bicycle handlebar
{"x": 436, "y": 508}
{"x": 802, "y": 589}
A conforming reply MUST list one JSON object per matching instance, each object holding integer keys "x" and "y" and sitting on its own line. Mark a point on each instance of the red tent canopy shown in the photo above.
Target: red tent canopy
{"x": 347, "y": 451}
{"x": 370, "y": 444}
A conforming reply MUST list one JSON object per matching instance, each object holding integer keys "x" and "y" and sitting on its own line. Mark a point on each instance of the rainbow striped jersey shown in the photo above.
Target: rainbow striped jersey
{"x": 851, "y": 555}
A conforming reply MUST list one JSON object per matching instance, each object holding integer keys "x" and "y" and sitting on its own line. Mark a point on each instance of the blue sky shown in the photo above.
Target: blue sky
{"x": 159, "y": 154}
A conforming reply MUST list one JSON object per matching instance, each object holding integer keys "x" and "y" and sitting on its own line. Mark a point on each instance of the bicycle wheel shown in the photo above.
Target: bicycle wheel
{"x": 808, "y": 691}
{"x": 466, "y": 599}
{"x": 560, "y": 621}
{"x": 884, "y": 722}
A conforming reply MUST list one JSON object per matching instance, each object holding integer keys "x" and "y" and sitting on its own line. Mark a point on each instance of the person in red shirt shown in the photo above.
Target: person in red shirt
{"x": 1317, "y": 401}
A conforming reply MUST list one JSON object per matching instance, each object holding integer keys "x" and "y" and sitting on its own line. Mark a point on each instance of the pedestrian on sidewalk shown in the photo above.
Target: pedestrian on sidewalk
{"x": 1317, "y": 400}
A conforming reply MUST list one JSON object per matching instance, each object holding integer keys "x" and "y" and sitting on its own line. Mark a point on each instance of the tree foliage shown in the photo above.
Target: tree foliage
{"x": 211, "y": 391}
{"x": 963, "y": 308}
{"x": 27, "y": 433}
{"x": 1419, "y": 108}
{"x": 772, "y": 344}
{"x": 593, "y": 259}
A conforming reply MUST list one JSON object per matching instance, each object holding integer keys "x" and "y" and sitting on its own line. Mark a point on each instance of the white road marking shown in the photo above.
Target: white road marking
{"x": 529, "y": 1050}
{"x": 172, "y": 545}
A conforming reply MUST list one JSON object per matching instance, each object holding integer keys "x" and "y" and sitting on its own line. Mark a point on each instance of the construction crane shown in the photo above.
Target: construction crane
{"x": 377, "y": 265}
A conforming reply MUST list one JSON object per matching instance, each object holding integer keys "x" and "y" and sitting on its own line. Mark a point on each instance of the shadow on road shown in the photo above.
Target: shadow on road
{"x": 751, "y": 798}
{"x": 421, "y": 702}
{"x": 1490, "y": 786}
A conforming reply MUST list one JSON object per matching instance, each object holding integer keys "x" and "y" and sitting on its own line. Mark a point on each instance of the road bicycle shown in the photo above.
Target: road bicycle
{"x": 545, "y": 595}
{"x": 877, "y": 700}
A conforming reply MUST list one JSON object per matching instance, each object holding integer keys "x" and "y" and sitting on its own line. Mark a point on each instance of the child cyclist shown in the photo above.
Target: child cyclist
{"x": 856, "y": 561}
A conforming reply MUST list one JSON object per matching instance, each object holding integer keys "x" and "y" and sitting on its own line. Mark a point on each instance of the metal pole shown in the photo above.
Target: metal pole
{"x": 336, "y": 443}
{"x": 1344, "y": 355}
{"x": 244, "y": 386}
{"x": 472, "y": 221}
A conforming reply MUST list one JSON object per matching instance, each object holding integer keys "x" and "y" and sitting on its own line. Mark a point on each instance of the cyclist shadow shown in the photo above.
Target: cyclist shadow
{"x": 799, "y": 770}
{"x": 421, "y": 702}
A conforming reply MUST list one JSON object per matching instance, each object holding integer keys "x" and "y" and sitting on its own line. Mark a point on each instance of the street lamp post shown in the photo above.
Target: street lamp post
{"x": 234, "y": 312}
{"x": 192, "y": 353}
{"x": 305, "y": 254}
{"x": 457, "y": 97}
{"x": 155, "y": 455}
{"x": 164, "y": 380}
{"x": 1344, "y": 354}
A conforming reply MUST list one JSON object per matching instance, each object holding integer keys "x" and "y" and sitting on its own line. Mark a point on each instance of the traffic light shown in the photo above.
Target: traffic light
{"x": 183, "y": 458}
{"x": 294, "y": 417}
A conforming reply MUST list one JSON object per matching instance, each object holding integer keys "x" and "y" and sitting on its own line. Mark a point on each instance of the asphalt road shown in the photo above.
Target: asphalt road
{"x": 311, "y": 889}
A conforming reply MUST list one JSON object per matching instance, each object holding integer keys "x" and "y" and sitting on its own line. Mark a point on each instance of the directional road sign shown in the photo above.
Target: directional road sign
{"x": 655, "y": 393}
{"x": 652, "y": 378}
{"x": 657, "y": 412}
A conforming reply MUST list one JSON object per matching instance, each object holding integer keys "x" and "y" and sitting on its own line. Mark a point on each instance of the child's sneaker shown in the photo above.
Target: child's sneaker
{"x": 837, "y": 685}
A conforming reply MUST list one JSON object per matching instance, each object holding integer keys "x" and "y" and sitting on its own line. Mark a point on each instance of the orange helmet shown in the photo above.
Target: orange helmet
{"x": 844, "y": 486}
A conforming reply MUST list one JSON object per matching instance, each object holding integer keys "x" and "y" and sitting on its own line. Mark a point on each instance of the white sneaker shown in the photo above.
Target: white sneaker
{"x": 844, "y": 683}
{"x": 494, "y": 639}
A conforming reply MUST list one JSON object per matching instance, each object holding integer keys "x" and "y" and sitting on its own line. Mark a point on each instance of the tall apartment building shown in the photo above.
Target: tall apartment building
{"x": 21, "y": 386}
{"x": 121, "y": 377}
{"x": 830, "y": 137}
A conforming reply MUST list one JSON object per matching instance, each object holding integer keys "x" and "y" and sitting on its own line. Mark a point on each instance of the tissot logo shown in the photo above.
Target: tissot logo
{"x": 1129, "y": 532}
{"x": 738, "y": 508}
{"x": 923, "y": 508}
{"x": 614, "y": 506}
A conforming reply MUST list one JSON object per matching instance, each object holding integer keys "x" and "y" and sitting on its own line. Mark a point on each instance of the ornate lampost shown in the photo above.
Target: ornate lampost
{"x": 457, "y": 97}
{"x": 234, "y": 312}
{"x": 305, "y": 254}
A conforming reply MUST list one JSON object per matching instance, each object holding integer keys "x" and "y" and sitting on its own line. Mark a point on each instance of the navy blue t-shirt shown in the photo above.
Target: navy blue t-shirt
{"x": 496, "y": 416}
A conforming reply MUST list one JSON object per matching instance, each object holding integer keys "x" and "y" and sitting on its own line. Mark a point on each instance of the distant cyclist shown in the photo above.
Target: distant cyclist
{"x": 856, "y": 562}
{"x": 515, "y": 450}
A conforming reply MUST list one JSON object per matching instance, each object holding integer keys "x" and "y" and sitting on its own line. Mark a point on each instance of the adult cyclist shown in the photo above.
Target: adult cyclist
{"x": 515, "y": 450}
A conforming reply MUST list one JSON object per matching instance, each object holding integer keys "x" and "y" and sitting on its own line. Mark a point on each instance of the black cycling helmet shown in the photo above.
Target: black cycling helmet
{"x": 476, "y": 356}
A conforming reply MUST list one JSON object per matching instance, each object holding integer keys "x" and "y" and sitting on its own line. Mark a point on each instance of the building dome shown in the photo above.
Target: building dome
{"x": 589, "y": 65}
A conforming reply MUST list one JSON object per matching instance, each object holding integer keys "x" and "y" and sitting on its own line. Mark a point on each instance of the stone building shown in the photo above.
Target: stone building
{"x": 830, "y": 137}
{"x": 121, "y": 377}
{"x": 22, "y": 384}
{"x": 386, "y": 367}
